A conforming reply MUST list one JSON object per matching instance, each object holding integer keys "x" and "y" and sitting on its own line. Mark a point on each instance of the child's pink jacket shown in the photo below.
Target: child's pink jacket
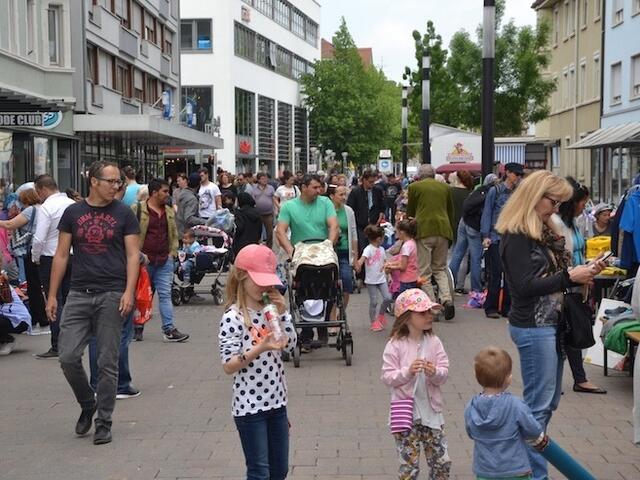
{"x": 397, "y": 358}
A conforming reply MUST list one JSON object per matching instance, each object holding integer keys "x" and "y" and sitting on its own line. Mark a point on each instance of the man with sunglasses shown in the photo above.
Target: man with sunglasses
{"x": 104, "y": 235}
{"x": 494, "y": 305}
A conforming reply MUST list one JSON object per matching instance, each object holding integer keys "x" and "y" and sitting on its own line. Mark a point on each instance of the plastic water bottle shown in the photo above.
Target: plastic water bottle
{"x": 270, "y": 312}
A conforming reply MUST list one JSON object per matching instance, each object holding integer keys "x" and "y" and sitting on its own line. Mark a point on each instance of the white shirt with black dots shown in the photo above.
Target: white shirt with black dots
{"x": 261, "y": 385}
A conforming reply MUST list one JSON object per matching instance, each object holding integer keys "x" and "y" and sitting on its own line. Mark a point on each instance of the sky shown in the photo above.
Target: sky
{"x": 386, "y": 25}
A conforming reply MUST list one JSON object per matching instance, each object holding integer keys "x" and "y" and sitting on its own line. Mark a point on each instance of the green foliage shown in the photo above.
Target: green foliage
{"x": 352, "y": 108}
{"x": 521, "y": 91}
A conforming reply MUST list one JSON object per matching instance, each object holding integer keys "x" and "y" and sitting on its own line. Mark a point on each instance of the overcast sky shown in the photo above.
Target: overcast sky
{"x": 386, "y": 25}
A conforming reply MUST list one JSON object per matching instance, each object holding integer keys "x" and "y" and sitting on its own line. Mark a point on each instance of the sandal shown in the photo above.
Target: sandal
{"x": 597, "y": 390}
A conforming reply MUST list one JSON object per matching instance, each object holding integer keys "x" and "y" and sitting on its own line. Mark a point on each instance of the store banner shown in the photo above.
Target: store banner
{"x": 40, "y": 120}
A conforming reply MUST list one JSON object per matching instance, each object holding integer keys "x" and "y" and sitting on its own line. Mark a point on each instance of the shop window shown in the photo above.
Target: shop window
{"x": 201, "y": 100}
{"x": 244, "y": 113}
{"x": 195, "y": 34}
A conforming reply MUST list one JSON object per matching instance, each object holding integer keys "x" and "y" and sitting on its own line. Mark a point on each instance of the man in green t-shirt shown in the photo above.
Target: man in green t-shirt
{"x": 309, "y": 216}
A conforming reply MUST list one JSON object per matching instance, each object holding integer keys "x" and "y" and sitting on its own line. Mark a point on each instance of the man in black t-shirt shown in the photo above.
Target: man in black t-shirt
{"x": 104, "y": 235}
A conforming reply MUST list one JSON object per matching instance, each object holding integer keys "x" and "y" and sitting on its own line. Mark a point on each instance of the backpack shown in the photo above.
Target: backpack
{"x": 473, "y": 205}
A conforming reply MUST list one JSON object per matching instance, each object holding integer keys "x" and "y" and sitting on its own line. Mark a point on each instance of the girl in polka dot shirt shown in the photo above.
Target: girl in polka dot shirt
{"x": 251, "y": 354}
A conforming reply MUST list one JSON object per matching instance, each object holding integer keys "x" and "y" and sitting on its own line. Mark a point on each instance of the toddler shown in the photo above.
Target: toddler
{"x": 406, "y": 262}
{"x": 414, "y": 366}
{"x": 186, "y": 255}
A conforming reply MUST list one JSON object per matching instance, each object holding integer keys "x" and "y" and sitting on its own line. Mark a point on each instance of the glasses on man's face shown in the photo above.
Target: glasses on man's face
{"x": 113, "y": 182}
{"x": 555, "y": 203}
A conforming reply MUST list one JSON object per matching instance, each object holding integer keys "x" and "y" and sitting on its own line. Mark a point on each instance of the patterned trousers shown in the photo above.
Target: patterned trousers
{"x": 433, "y": 441}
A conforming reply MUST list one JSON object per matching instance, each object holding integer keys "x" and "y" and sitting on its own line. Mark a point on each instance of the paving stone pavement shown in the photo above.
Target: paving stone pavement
{"x": 181, "y": 425}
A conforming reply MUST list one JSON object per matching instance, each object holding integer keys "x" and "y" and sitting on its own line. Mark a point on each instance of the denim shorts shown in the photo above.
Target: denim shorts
{"x": 346, "y": 272}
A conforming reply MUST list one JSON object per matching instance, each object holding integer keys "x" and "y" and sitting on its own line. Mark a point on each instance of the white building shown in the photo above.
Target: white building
{"x": 240, "y": 61}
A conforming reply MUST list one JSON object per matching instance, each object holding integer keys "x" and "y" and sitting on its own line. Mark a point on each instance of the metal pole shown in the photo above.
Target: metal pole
{"x": 426, "y": 104}
{"x": 405, "y": 126}
{"x": 488, "y": 74}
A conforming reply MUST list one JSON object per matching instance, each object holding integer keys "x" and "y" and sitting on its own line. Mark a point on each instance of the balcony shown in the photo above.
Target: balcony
{"x": 108, "y": 25}
{"x": 128, "y": 42}
{"x": 152, "y": 53}
{"x": 130, "y": 107}
{"x": 165, "y": 65}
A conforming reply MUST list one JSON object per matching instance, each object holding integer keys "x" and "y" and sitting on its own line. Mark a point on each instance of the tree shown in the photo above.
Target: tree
{"x": 352, "y": 108}
{"x": 521, "y": 90}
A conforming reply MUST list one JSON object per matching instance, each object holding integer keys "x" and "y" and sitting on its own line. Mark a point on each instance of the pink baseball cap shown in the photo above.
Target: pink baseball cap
{"x": 260, "y": 263}
{"x": 414, "y": 300}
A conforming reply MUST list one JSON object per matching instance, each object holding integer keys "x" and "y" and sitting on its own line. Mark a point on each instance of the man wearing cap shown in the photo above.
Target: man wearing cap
{"x": 496, "y": 198}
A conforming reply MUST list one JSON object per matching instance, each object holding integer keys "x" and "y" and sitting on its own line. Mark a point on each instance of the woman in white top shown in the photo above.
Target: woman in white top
{"x": 287, "y": 191}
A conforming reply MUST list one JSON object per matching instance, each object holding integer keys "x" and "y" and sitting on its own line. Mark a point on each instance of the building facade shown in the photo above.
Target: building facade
{"x": 576, "y": 67}
{"x": 241, "y": 61}
{"x": 36, "y": 93}
{"x": 128, "y": 77}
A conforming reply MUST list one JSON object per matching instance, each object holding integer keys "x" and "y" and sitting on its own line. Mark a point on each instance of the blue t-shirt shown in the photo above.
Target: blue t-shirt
{"x": 131, "y": 194}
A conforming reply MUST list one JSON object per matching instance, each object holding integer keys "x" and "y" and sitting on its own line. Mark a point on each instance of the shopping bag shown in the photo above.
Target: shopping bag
{"x": 144, "y": 298}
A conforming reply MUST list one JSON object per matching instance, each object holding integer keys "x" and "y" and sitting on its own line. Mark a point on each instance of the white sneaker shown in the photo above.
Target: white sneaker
{"x": 7, "y": 348}
{"x": 38, "y": 330}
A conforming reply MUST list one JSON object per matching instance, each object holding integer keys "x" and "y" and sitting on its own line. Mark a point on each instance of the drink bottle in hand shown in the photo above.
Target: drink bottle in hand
{"x": 270, "y": 312}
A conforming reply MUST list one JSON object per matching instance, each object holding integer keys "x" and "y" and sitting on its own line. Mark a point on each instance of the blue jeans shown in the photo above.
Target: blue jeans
{"x": 542, "y": 379}
{"x": 468, "y": 238}
{"x": 161, "y": 278}
{"x": 124, "y": 374}
{"x": 187, "y": 267}
{"x": 346, "y": 273}
{"x": 265, "y": 442}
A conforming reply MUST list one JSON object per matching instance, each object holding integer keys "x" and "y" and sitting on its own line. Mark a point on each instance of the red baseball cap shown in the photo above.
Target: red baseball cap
{"x": 260, "y": 263}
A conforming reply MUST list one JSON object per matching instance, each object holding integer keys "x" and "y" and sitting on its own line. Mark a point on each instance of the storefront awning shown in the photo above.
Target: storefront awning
{"x": 146, "y": 129}
{"x": 625, "y": 135}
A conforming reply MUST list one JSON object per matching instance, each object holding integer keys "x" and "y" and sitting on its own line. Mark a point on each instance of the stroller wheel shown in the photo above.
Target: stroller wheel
{"x": 218, "y": 297}
{"x": 176, "y": 297}
{"x": 285, "y": 356}
{"x": 296, "y": 356}
{"x": 347, "y": 352}
{"x": 186, "y": 295}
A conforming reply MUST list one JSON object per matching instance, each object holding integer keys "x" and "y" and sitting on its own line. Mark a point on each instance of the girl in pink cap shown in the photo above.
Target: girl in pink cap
{"x": 414, "y": 366}
{"x": 250, "y": 352}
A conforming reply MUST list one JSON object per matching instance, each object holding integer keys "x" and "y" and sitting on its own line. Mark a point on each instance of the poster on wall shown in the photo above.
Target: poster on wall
{"x": 6, "y": 151}
{"x": 40, "y": 155}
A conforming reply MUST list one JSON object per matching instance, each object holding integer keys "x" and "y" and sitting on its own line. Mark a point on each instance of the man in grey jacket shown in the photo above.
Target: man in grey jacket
{"x": 188, "y": 206}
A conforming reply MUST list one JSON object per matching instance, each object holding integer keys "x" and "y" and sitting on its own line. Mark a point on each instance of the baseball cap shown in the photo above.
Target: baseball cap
{"x": 260, "y": 263}
{"x": 414, "y": 300}
{"x": 516, "y": 168}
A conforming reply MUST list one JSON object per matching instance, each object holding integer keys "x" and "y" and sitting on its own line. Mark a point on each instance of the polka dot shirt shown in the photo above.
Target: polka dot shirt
{"x": 261, "y": 385}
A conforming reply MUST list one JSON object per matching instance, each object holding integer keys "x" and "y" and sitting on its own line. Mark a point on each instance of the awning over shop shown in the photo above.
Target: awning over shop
{"x": 625, "y": 135}
{"x": 146, "y": 129}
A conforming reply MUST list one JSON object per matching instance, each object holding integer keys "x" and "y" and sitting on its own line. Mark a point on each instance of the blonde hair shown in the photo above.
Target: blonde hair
{"x": 519, "y": 214}
{"x": 235, "y": 293}
{"x": 492, "y": 366}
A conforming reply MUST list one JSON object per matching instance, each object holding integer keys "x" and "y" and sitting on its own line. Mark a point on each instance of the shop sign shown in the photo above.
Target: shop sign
{"x": 245, "y": 145}
{"x": 41, "y": 120}
{"x": 385, "y": 165}
{"x": 459, "y": 154}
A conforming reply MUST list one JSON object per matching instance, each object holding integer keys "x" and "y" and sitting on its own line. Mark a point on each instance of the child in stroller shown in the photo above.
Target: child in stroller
{"x": 186, "y": 256}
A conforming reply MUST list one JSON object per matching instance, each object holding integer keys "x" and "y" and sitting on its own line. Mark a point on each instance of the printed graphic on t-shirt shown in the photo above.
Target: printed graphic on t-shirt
{"x": 206, "y": 200}
{"x": 376, "y": 258}
{"x": 95, "y": 232}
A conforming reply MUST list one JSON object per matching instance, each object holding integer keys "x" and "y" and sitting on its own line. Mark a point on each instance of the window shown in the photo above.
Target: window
{"x": 572, "y": 85}
{"x": 616, "y": 83}
{"x": 195, "y": 34}
{"x": 244, "y": 113}
{"x": 150, "y": 28}
{"x": 311, "y": 32}
{"x": 266, "y": 131}
{"x": 298, "y": 67}
{"x": 137, "y": 19}
{"x": 282, "y": 13}
{"x": 265, "y": 6}
{"x": 298, "y": 23}
{"x": 138, "y": 85}
{"x": 284, "y": 61}
{"x": 123, "y": 79}
{"x": 53, "y": 23}
{"x": 635, "y": 76}
{"x": 92, "y": 64}
{"x": 582, "y": 92}
{"x": 122, "y": 9}
{"x": 201, "y": 99}
{"x": 167, "y": 47}
{"x": 151, "y": 91}
{"x": 618, "y": 12}
{"x": 596, "y": 76}
{"x": 31, "y": 27}
{"x": 244, "y": 42}
{"x": 585, "y": 13}
{"x": 565, "y": 89}
{"x": 556, "y": 26}
{"x": 636, "y": 7}
{"x": 300, "y": 135}
{"x": 284, "y": 132}
{"x": 570, "y": 21}
{"x": 555, "y": 156}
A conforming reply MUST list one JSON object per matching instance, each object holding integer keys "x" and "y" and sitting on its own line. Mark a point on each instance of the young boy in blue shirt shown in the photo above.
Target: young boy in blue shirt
{"x": 500, "y": 424}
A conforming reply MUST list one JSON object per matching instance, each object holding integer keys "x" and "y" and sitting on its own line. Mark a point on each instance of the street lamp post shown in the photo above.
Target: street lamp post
{"x": 426, "y": 104}
{"x": 488, "y": 72}
{"x": 405, "y": 125}
{"x": 344, "y": 160}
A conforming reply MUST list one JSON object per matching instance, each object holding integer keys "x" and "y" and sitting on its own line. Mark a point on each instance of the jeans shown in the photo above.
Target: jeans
{"x": 267, "y": 223}
{"x": 86, "y": 315}
{"x": 187, "y": 267}
{"x": 542, "y": 379}
{"x": 468, "y": 239}
{"x": 265, "y": 442}
{"x": 496, "y": 282}
{"x": 161, "y": 278}
{"x": 45, "y": 275}
{"x": 346, "y": 273}
{"x": 124, "y": 374}
{"x": 432, "y": 257}
{"x": 407, "y": 286}
{"x": 376, "y": 308}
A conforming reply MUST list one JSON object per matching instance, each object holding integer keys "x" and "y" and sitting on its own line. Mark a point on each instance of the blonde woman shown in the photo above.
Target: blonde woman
{"x": 537, "y": 271}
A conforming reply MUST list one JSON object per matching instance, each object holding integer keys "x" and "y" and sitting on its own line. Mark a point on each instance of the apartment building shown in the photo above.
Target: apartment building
{"x": 36, "y": 92}
{"x": 127, "y": 75}
{"x": 576, "y": 66}
{"x": 241, "y": 61}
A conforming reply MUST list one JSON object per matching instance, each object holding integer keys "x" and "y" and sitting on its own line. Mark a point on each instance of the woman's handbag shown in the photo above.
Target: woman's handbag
{"x": 577, "y": 317}
{"x": 19, "y": 244}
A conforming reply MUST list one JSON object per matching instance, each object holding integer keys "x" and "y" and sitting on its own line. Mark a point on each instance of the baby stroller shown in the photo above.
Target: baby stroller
{"x": 214, "y": 259}
{"x": 314, "y": 288}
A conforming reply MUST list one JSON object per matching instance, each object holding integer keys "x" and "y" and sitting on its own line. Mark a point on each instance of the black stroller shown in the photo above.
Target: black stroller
{"x": 319, "y": 284}
{"x": 215, "y": 258}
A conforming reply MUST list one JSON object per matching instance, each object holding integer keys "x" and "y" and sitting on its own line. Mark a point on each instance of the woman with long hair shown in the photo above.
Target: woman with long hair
{"x": 538, "y": 270}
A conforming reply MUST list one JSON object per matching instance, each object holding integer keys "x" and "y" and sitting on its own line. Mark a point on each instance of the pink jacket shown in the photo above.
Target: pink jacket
{"x": 397, "y": 358}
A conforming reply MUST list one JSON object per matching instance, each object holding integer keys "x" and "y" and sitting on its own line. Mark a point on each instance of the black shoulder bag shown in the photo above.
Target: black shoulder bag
{"x": 577, "y": 316}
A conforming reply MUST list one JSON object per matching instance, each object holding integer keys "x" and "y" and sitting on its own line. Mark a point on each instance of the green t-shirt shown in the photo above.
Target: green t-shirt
{"x": 307, "y": 220}
{"x": 343, "y": 244}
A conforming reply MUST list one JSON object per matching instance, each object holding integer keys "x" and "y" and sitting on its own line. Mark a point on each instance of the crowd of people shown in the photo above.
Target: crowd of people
{"x": 73, "y": 265}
